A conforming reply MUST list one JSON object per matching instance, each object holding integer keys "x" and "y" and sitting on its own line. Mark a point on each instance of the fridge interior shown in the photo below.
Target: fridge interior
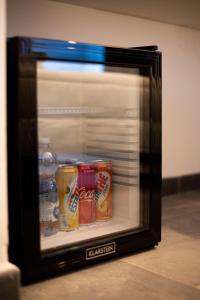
{"x": 90, "y": 111}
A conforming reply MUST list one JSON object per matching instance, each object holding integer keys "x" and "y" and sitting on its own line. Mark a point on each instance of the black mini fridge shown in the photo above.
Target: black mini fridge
{"x": 84, "y": 153}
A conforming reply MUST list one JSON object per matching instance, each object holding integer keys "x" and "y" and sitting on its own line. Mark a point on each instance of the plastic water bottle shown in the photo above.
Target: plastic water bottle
{"x": 49, "y": 207}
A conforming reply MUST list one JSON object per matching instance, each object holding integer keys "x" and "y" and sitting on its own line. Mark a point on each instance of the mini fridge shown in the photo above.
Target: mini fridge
{"x": 84, "y": 153}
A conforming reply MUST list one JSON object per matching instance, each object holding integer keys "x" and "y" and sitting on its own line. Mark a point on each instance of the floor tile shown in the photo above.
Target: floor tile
{"x": 110, "y": 281}
{"x": 177, "y": 257}
{"x": 179, "y": 262}
{"x": 184, "y": 223}
{"x": 182, "y": 200}
{"x": 171, "y": 237}
{"x": 170, "y": 271}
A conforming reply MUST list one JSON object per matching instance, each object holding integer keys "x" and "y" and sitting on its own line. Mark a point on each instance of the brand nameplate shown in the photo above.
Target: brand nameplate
{"x": 101, "y": 250}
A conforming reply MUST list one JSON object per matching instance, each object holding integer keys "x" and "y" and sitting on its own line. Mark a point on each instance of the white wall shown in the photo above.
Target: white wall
{"x": 181, "y": 63}
{"x": 3, "y": 176}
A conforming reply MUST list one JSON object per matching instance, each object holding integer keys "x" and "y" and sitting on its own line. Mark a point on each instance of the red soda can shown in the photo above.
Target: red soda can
{"x": 103, "y": 190}
{"x": 86, "y": 186}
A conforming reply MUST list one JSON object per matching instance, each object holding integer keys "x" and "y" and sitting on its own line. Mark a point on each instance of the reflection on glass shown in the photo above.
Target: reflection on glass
{"x": 89, "y": 115}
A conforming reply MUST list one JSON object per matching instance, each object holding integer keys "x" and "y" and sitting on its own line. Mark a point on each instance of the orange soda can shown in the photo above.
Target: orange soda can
{"x": 103, "y": 190}
{"x": 67, "y": 186}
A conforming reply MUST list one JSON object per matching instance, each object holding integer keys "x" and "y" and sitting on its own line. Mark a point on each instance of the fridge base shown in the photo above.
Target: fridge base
{"x": 66, "y": 264}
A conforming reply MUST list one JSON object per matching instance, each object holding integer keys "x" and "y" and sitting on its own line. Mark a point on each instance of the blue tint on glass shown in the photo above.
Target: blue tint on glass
{"x": 69, "y": 50}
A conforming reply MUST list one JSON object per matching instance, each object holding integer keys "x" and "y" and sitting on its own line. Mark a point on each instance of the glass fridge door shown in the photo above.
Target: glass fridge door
{"x": 92, "y": 121}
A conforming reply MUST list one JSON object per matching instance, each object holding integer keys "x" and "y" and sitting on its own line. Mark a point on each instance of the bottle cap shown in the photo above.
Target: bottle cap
{"x": 44, "y": 141}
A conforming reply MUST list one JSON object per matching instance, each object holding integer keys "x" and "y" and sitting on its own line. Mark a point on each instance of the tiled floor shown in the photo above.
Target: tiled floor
{"x": 170, "y": 271}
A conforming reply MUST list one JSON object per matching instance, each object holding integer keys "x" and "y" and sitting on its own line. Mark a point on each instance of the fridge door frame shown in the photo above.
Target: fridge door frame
{"x": 24, "y": 235}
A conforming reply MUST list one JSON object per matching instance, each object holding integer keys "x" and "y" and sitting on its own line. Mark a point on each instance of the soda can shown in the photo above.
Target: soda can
{"x": 67, "y": 186}
{"x": 103, "y": 190}
{"x": 86, "y": 185}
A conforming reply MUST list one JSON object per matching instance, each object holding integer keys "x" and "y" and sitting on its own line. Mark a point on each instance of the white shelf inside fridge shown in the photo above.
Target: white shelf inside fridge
{"x": 88, "y": 111}
{"x": 98, "y": 229}
{"x": 65, "y": 110}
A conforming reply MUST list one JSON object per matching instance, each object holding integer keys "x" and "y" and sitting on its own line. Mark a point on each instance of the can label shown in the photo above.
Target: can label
{"x": 67, "y": 184}
{"x": 86, "y": 185}
{"x": 103, "y": 185}
{"x": 103, "y": 193}
{"x": 71, "y": 198}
